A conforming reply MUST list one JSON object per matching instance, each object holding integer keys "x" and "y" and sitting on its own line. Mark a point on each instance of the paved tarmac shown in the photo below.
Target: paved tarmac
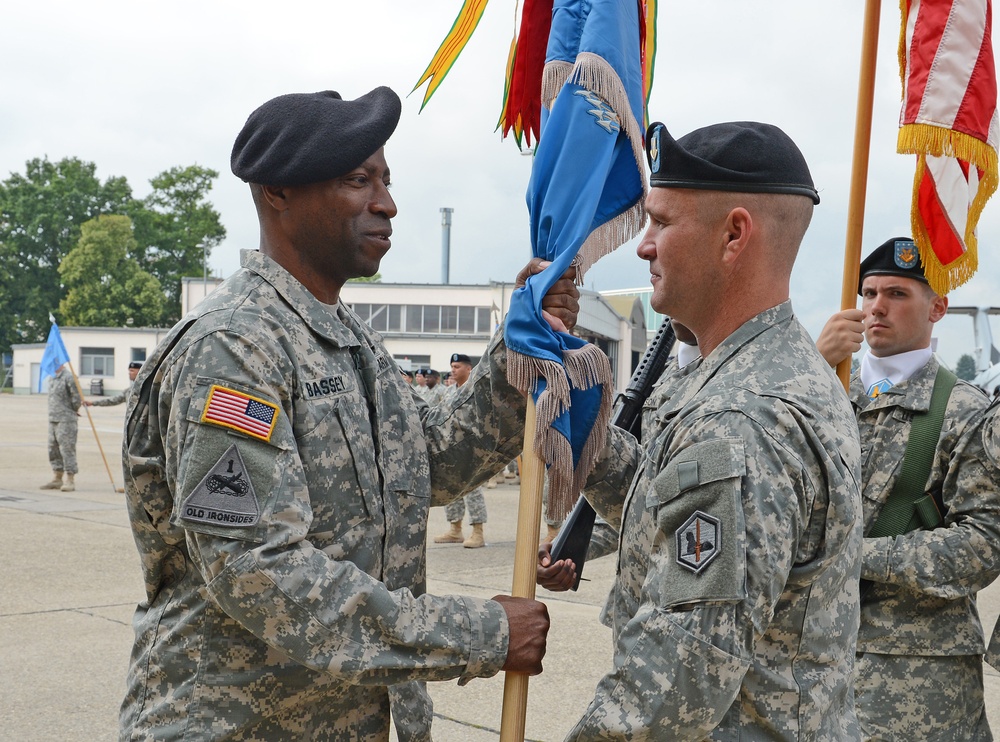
{"x": 71, "y": 581}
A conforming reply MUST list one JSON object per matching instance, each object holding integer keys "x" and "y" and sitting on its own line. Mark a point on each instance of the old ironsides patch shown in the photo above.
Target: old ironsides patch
{"x": 698, "y": 541}
{"x": 225, "y": 497}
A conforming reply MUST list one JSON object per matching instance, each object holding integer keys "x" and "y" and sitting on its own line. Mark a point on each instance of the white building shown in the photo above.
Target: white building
{"x": 423, "y": 324}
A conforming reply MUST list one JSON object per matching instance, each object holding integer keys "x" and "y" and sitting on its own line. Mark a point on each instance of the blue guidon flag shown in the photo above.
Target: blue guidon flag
{"x": 585, "y": 198}
{"x": 54, "y": 355}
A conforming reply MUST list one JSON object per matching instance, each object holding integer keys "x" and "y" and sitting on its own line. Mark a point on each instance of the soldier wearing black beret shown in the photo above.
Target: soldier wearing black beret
{"x": 280, "y": 472}
{"x": 742, "y": 523}
{"x": 920, "y": 628}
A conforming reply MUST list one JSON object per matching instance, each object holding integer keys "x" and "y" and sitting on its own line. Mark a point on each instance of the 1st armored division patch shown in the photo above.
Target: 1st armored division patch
{"x": 225, "y": 497}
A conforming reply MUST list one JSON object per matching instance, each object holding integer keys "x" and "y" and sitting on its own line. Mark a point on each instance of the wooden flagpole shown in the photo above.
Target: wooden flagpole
{"x": 859, "y": 170}
{"x": 100, "y": 448}
{"x": 529, "y": 521}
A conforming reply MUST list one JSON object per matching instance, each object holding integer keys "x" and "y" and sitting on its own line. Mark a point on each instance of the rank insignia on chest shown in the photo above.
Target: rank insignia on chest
{"x": 699, "y": 541}
{"x": 879, "y": 388}
{"x": 240, "y": 412}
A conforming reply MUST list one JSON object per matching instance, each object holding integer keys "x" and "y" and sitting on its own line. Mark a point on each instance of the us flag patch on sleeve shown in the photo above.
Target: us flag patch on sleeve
{"x": 238, "y": 411}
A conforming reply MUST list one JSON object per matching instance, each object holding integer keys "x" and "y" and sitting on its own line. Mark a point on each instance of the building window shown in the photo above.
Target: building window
{"x": 467, "y": 320}
{"x": 97, "y": 361}
{"x": 432, "y": 319}
{"x": 428, "y": 319}
{"x": 138, "y": 354}
{"x": 483, "y": 322}
{"x": 412, "y": 362}
{"x": 414, "y": 318}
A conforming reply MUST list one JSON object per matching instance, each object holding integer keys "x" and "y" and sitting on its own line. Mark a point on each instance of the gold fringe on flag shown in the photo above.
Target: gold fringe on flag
{"x": 583, "y": 368}
{"x": 923, "y": 140}
{"x": 592, "y": 72}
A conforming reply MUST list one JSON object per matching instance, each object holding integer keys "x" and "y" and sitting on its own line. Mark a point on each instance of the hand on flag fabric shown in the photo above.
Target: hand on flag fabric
{"x": 585, "y": 198}
{"x": 561, "y": 304}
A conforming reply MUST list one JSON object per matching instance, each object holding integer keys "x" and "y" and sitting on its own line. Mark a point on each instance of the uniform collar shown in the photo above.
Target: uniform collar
{"x": 702, "y": 373}
{"x": 747, "y": 332}
{"x": 896, "y": 368}
{"x": 321, "y": 318}
{"x": 913, "y": 394}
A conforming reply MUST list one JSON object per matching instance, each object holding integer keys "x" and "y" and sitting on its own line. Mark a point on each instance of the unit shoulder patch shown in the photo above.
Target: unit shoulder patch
{"x": 699, "y": 541}
{"x": 225, "y": 496}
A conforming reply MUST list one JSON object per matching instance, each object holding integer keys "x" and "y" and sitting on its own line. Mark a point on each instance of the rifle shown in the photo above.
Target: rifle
{"x": 573, "y": 539}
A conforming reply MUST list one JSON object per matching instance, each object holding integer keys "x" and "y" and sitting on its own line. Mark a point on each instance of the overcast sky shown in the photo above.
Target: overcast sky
{"x": 139, "y": 87}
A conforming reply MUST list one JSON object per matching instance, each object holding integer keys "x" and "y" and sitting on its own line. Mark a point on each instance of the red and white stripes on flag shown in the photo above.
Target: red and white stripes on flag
{"x": 949, "y": 120}
{"x": 238, "y": 411}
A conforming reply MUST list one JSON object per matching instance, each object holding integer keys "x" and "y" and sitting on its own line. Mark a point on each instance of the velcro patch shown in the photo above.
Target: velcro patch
{"x": 226, "y": 496}
{"x": 240, "y": 412}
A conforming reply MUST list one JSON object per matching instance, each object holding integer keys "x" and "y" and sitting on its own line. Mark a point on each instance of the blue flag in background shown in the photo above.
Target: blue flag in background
{"x": 585, "y": 198}
{"x": 55, "y": 354}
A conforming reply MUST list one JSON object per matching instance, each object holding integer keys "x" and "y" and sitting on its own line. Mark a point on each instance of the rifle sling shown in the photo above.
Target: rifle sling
{"x": 907, "y": 507}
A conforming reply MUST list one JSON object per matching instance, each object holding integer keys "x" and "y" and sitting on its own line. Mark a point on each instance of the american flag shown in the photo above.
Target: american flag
{"x": 239, "y": 411}
{"x": 949, "y": 120}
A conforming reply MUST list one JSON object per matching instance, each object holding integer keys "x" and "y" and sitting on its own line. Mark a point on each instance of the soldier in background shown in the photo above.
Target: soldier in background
{"x": 931, "y": 543}
{"x": 279, "y": 472}
{"x": 133, "y": 371}
{"x": 473, "y": 501}
{"x": 435, "y": 390}
{"x": 64, "y": 401}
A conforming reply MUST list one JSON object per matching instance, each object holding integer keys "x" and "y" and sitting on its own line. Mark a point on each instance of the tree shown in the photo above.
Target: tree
{"x": 966, "y": 367}
{"x": 40, "y": 217}
{"x": 377, "y": 278}
{"x": 106, "y": 287}
{"x": 176, "y": 229}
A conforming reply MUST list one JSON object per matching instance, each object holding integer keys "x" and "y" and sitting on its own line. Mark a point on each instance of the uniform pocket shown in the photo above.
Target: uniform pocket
{"x": 701, "y": 540}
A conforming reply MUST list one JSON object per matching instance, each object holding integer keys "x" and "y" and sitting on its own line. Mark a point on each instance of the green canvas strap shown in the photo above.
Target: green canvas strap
{"x": 907, "y": 508}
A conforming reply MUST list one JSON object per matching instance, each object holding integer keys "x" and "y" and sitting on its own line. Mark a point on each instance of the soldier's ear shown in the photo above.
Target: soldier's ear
{"x": 939, "y": 307}
{"x": 274, "y": 196}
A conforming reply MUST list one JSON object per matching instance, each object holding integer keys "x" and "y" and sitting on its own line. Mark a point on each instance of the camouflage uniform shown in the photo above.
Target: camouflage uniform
{"x": 919, "y": 668}
{"x": 111, "y": 401}
{"x": 735, "y": 607}
{"x": 64, "y": 401}
{"x": 474, "y": 501}
{"x": 604, "y": 539}
{"x": 991, "y": 447}
{"x": 285, "y": 567}
{"x": 435, "y": 395}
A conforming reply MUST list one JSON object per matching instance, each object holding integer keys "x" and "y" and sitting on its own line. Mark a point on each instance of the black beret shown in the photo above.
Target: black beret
{"x": 896, "y": 257}
{"x": 135, "y": 364}
{"x": 431, "y": 372}
{"x": 404, "y": 372}
{"x": 460, "y": 358}
{"x": 742, "y": 156}
{"x": 304, "y": 138}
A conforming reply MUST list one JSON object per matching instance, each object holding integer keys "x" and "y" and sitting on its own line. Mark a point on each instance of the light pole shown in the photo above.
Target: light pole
{"x": 445, "y": 243}
{"x": 204, "y": 269}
